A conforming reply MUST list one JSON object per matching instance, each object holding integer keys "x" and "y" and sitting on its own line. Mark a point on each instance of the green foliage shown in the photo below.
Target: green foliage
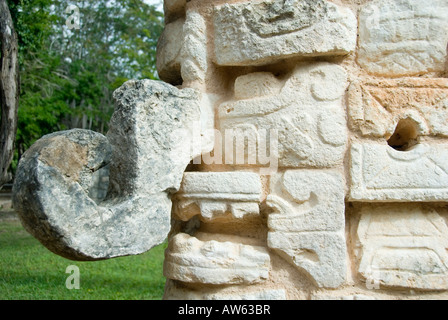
{"x": 68, "y": 75}
{"x": 28, "y": 271}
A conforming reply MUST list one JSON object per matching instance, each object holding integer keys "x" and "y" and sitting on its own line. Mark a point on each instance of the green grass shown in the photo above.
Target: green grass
{"x": 29, "y": 271}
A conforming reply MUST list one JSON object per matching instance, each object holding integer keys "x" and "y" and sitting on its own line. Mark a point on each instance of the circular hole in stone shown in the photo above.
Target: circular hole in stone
{"x": 405, "y": 135}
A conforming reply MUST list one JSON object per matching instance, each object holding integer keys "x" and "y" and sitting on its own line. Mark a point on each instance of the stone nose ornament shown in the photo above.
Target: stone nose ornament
{"x": 147, "y": 158}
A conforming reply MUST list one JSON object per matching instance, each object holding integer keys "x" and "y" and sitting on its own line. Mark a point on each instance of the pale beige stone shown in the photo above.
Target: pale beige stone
{"x": 307, "y": 225}
{"x": 255, "y": 85}
{"x": 261, "y": 32}
{"x": 182, "y": 51}
{"x": 381, "y": 173}
{"x": 376, "y": 106}
{"x": 231, "y": 293}
{"x": 321, "y": 254}
{"x": 214, "y": 194}
{"x": 327, "y": 297}
{"x": 301, "y": 204}
{"x": 403, "y": 246}
{"x": 174, "y": 9}
{"x": 188, "y": 259}
{"x": 194, "y": 50}
{"x": 403, "y": 37}
{"x": 307, "y": 116}
{"x": 316, "y": 130}
{"x": 168, "y": 52}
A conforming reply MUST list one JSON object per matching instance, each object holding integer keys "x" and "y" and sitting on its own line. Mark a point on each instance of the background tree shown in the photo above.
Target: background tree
{"x": 9, "y": 90}
{"x": 68, "y": 75}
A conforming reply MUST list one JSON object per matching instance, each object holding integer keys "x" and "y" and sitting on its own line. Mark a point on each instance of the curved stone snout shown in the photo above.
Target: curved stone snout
{"x": 146, "y": 152}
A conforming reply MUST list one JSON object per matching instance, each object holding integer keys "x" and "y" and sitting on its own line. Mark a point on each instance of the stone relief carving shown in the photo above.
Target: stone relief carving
{"x": 376, "y": 107}
{"x": 307, "y": 224}
{"x": 404, "y": 246}
{"x": 381, "y": 173}
{"x": 265, "y": 31}
{"x": 307, "y": 113}
{"x": 403, "y": 37}
{"x": 50, "y": 190}
{"x": 350, "y": 128}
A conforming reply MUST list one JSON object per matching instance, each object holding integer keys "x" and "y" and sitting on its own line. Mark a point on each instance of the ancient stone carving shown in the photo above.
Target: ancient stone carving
{"x": 344, "y": 297}
{"x": 307, "y": 114}
{"x": 315, "y": 147}
{"x": 264, "y": 31}
{"x": 174, "y": 292}
{"x": 168, "y": 52}
{"x": 182, "y": 51}
{"x": 376, "y": 106}
{"x": 51, "y": 187}
{"x": 214, "y": 194}
{"x": 381, "y": 173}
{"x": 174, "y": 9}
{"x": 403, "y": 37}
{"x": 194, "y": 50}
{"x": 191, "y": 260}
{"x": 403, "y": 246}
{"x": 307, "y": 225}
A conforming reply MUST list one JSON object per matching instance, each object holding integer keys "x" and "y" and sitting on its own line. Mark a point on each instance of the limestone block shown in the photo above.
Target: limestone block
{"x": 173, "y": 9}
{"x": 307, "y": 225}
{"x": 302, "y": 202}
{"x": 176, "y": 292}
{"x": 403, "y": 37}
{"x": 403, "y": 246}
{"x": 354, "y": 297}
{"x": 194, "y": 50}
{"x": 381, "y": 173}
{"x": 263, "y": 31}
{"x": 213, "y": 194}
{"x": 305, "y": 112}
{"x": 182, "y": 51}
{"x": 168, "y": 52}
{"x": 321, "y": 254}
{"x": 50, "y": 192}
{"x": 256, "y": 84}
{"x": 377, "y": 106}
{"x": 188, "y": 259}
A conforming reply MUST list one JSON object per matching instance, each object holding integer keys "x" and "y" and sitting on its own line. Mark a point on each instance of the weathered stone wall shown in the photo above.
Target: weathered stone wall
{"x": 303, "y": 155}
{"x": 337, "y": 184}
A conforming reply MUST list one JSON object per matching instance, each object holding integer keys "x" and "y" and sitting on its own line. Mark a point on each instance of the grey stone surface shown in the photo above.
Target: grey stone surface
{"x": 53, "y": 178}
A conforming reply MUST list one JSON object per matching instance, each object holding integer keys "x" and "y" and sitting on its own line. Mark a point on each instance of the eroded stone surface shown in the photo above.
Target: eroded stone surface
{"x": 403, "y": 246}
{"x": 182, "y": 51}
{"x": 307, "y": 225}
{"x": 266, "y": 214}
{"x": 307, "y": 116}
{"x": 51, "y": 187}
{"x": 264, "y": 31}
{"x": 403, "y": 37}
{"x": 188, "y": 259}
{"x": 194, "y": 63}
{"x": 214, "y": 194}
{"x": 381, "y": 173}
{"x": 176, "y": 292}
{"x": 376, "y": 106}
{"x": 168, "y": 52}
{"x": 174, "y": 9}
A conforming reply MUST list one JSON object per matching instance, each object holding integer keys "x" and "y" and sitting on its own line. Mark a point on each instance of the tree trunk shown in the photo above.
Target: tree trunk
{"x": 9, "y": 90}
